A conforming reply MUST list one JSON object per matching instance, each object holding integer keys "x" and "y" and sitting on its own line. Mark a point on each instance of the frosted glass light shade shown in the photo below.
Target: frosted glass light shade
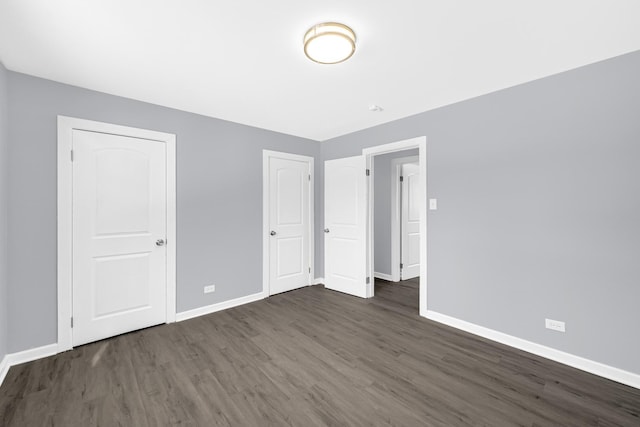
{"x": 329, "y": 43}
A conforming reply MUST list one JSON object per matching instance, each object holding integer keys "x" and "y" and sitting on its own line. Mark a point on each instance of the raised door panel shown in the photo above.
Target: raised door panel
{"x": 119, "y": 211}
{"x": 289, "y": 224}
{"x": 345, "y": 225}
{"x": 410, "y": 221}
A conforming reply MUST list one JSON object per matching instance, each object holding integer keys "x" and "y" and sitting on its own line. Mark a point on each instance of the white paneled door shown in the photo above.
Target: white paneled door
{"x": 410, "y": 226}
{"x": 345, "y": 225}
{"x": 119, "y": 232}
{"x": 289, "y": 219}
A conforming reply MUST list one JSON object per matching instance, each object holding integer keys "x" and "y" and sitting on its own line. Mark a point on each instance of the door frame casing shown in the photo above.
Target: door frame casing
{"x": 421, "y": 144}
{"x": 266, "y": 156}
{"x": 396, "y": 213}
{"x": 66, "y": 126}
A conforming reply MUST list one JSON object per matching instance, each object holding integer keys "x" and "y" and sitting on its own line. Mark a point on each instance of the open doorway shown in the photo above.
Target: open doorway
{"x": 349, "y": 197}
{"x": 396, "y": 228}
{"x": 385, "y": 243}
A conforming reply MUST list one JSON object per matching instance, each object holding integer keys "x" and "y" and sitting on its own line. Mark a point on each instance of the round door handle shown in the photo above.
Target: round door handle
{"x": 326, "y": 230}
{"x": 160, "y": 242}
{"x": 273, "y": 233}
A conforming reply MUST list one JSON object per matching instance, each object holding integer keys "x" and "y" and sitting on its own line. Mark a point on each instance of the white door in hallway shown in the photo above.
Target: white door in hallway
{"x": 119, "y": 231}
{"x": 289, "y": 219}
{"x": 410, "y": 225}
{"x": 345, "y": 218}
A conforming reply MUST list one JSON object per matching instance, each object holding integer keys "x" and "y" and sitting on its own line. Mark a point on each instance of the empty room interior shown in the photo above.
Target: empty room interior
{"x": 409, "y": 213}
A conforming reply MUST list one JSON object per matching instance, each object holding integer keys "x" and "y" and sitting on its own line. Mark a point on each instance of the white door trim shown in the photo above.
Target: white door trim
{"x": 421, "y": 144}
{"x": 66, "y": 125}
{"x": 396, "y": 172}
{"x": 266, "y": 155}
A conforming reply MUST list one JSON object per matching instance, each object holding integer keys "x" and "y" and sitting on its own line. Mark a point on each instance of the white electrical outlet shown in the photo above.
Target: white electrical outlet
{"x": 554, "y": 325}
{"x": 209, "y": 289}
{"x": 433, "y": 204}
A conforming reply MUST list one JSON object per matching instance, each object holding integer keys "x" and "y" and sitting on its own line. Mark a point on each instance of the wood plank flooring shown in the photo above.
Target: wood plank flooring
{"x": 310, "y": 357}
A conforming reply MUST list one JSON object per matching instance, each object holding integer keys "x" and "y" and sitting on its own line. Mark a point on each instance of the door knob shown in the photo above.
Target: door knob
{"x": 326, "y": 230}
{"x": 160, "y": 242}
{"x": 273, "y": 233}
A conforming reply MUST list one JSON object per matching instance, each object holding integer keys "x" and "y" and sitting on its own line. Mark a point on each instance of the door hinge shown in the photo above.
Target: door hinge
{"x": 309, "y": 177}
{"x": 309, "y": 269}
{"x": 401, "y": 178}
{"x": 368, "y": 172}
{"x": 368, "y": 280}
{"x": 72, "y": 322}
{"x": 401, "y": 265}
{"x": 72, "y": 155}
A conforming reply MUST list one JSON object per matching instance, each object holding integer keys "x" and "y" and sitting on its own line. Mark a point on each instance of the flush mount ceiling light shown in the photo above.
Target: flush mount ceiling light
{"x": 329, "y": 43}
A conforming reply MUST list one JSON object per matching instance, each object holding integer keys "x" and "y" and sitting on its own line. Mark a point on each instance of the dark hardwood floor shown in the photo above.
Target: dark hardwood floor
{"x": 304, "y": 358}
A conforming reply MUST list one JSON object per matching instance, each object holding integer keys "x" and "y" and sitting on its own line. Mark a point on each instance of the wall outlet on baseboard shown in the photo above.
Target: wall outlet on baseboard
{"x": 209, "y": 289}
{"x": 554, "y": 325}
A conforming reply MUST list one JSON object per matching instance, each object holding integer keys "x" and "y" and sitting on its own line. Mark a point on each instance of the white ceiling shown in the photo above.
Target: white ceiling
{"x": 242, "y": 60}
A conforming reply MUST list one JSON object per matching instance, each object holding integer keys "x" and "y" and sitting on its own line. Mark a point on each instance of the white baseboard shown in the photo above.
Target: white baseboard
{"x": 383, "y": 276}
{"x": 4, "y": 368}
{"x": 201, "y": 311}
{"x": 13, "y": 359}
{"x": 32, "y": 354}
{"x": 596, "y": 368}
{"x": 318, "y": 281}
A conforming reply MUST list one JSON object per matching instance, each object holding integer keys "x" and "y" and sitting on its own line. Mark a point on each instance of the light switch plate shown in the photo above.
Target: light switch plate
{"x": 433, "y": 204}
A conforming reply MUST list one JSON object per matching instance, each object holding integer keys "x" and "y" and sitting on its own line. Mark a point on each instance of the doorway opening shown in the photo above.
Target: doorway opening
{"x": 396, "y": 225}
{"x": 390, "y": 258}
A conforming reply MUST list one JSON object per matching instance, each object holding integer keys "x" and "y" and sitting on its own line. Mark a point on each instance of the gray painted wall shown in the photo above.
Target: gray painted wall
{"x": 538, "y": 204}
{"x": 382, "y": 209}
{"x": 219, "y": 197}
{"x": 538, "y": 191}
{"x": 4, "y": 201}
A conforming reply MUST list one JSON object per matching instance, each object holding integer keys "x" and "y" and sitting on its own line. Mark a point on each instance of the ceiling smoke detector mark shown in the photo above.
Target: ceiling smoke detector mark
{"x": 376, "y": 108}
